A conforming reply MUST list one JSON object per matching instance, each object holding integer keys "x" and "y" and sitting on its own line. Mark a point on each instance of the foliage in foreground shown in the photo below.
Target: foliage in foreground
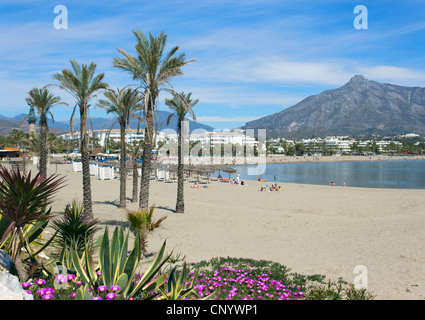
{"x": 218, "y": 279}
{"x": 247, "y": 279}
{"x": 23, "y": 202}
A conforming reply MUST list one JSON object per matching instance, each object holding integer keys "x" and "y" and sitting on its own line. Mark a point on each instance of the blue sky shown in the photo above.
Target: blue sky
{"x": 253, "y": 58}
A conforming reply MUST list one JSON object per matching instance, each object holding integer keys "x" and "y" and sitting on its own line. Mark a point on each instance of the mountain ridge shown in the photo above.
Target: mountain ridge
{"x": 359, "y": 107}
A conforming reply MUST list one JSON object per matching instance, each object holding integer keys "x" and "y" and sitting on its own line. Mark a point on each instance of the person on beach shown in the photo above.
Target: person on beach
{"x": 195, "y": 185}
{"x": 332, "y": 184}
{"x": 261, "y": 180}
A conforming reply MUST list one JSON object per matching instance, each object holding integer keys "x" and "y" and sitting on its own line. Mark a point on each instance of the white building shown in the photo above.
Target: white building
{"x": 114, "y": 135}
{"x": 339, "y": 144}
{"x": 218, "y": 138}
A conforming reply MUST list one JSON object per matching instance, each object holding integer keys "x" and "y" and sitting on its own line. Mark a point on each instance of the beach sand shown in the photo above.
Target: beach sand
{"x": 310, "y": 229}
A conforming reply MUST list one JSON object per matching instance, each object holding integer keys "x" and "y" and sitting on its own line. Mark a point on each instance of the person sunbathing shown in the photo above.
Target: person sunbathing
{"x": 261, "y": 180}
{"x": 195, "y": 185}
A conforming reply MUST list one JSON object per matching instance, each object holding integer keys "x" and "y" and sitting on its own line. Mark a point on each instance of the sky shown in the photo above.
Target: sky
{"x": 253, "y": 58}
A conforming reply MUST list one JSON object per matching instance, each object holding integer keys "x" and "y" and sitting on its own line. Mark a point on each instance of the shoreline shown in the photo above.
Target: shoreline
{"x": 276, "y": 159}
{"x": 313, "y": 159}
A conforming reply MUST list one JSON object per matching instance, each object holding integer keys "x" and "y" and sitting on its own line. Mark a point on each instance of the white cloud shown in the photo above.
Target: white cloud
{"x": 394, "y": 75}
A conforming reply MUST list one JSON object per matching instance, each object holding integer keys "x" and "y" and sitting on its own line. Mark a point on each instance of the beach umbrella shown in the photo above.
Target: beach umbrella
{"x": 229, "y": 170}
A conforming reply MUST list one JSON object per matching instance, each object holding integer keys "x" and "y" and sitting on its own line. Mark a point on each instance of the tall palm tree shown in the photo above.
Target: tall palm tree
{"x": 83, "y": 84}
{"x": 134, "y": 152}
{"x": 123, "y": 103}
{"x": 42, "y": 100}
{"x": 181, "y": 105}
{"x": 154, "y": 70}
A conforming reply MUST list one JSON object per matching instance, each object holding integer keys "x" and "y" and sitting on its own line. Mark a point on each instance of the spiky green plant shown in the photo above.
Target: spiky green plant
{"x": 177, "y": 287}
{"x": 24, "y": 201}
{"x": 117, "y": 267}
{"x": 74, "y": 230}
{"x": 142, "y": 223}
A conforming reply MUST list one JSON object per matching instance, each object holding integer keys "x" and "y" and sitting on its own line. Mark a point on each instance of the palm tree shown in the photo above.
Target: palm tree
{"x": 82, "y": 83}
{"x": 123, "y": 104}
{"x": 180, "y": 105}
{"x": 43, "y": 100}
{"x": 154, "y": 70}
{"x": 134, "y": 153}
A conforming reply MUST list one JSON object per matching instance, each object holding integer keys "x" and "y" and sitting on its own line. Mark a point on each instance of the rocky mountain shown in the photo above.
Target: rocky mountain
{"x": 59, "y": 127}
{"x": 361, "y": 107}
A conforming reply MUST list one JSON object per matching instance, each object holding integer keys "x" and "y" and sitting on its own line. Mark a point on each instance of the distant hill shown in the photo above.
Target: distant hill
{"x": 7, "y": 124}
{"x": 361, "y": 107}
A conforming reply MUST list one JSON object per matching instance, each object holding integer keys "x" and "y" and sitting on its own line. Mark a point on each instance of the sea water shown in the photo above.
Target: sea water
{"x": 403, "y": 174}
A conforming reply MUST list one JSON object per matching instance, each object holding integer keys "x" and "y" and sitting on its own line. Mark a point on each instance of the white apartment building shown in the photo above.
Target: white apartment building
{"x": 339, "y": 144}
{"x": 218, "y": 138}
{"x": 114, "y": 135}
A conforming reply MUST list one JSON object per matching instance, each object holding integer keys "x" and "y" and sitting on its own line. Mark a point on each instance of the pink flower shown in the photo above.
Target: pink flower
{"x": 40, "y": 282}
{"x": 72, "y": 295}
{"x": 26, "y": 284}
{"x": 41, "y": 292}
{"x": 102, "y": 288}
{"x": 110, "y": 296}
{"x": 49, "y": 291}
{"x": 70, "y": 277}
{"x": 115, "y": 288}
{"x": 47, "y": 297}
{"x": 97, "y": 298}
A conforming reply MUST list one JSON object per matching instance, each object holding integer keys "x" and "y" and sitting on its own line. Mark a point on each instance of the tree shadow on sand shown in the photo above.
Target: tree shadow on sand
{"x": 108, "y": 202}
{"x": 165, "y": 208}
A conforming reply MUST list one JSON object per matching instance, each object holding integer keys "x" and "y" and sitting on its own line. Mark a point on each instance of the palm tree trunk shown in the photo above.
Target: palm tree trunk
{"x": 43, "y": 146}
{"x": 147, "y": 159}
{"x": 180, "y": 177}
{"x": 135, "y": 181}
{"x": 87, "y": 201}
{"x": 123, "y": 172}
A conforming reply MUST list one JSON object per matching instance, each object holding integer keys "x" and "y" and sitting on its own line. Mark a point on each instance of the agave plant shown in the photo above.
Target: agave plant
{"x": 177, "y": 287}
{"x": 24, "y": 201}
{"x": 117, "y": 268}
{"x": 141, "y": 223}
{"x": 74, "y": 230}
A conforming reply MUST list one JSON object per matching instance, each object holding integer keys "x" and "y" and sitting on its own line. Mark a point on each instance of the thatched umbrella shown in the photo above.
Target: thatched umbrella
{"x": 229, "y": 170}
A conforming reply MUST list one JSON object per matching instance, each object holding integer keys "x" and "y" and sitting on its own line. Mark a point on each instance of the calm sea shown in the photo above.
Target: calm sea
{"x": 403, "y": 174}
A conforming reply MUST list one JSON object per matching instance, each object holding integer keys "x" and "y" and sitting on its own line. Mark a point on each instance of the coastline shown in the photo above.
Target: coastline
{"x": 270, "y": 159}
{"x": 309, "y": 159}
{"x": 311, "y": 229}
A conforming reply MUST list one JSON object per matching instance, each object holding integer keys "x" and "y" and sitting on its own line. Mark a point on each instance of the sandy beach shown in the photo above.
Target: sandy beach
{"x": 310, "y": 229}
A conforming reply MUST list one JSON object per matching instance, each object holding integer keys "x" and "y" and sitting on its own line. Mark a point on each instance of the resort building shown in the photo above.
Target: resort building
{"x": 114, "y": 135}
{"x": 219, "y": 138}
{"x": 338, "y": 145}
